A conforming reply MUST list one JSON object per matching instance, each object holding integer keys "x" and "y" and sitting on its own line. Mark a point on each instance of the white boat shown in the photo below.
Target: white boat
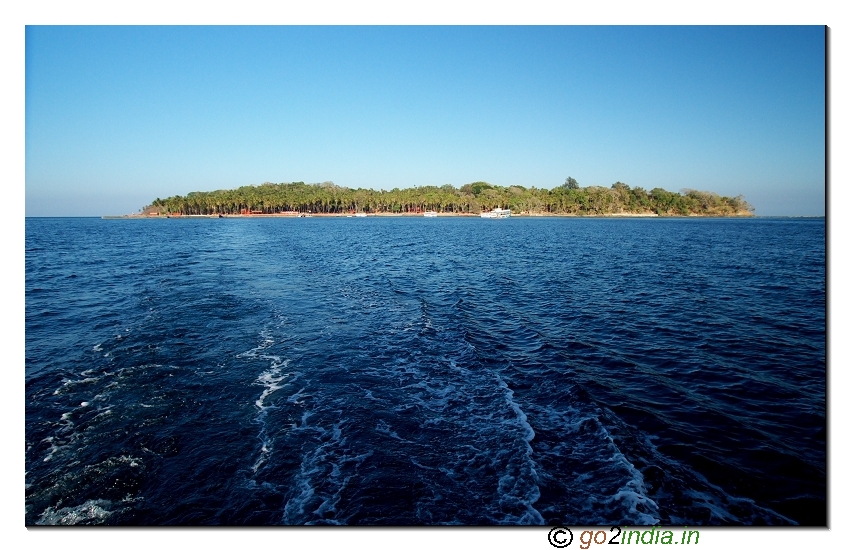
{"x": 497, "y": 213}
{"x": 360, "y": 215}
{"x": 430, "y": 214}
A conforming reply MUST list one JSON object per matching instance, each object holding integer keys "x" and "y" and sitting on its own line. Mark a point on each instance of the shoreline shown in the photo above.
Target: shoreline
{"x": 417, "y": 215}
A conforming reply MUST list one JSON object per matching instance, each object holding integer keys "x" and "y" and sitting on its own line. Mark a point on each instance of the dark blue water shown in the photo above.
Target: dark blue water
{"x": 412, "y": 371}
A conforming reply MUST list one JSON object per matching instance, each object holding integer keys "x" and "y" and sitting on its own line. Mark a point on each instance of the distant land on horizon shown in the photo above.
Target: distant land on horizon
{"x": 471, "y": 199}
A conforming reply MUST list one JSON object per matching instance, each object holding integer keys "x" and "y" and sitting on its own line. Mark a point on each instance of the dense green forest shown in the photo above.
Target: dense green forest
{"x": 472, "y": 198}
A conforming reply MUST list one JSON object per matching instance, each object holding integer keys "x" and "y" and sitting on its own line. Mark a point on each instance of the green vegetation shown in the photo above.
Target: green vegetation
{"x": 472, "y": 198}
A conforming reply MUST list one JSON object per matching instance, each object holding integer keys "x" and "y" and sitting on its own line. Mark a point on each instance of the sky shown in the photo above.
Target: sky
{"x": 116, "y": 116}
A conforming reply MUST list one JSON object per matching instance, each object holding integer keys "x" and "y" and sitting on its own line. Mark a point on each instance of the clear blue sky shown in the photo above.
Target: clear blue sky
{"x": 118, "y": 116}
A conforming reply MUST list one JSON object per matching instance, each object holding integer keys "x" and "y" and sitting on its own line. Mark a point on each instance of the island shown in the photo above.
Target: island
{"x": 328, "y": 199}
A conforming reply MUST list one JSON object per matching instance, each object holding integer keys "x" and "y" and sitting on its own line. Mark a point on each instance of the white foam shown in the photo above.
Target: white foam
{"x": 424, "y": 467}
{"x": 53, "y": 448}
{"x": 717, "y": 501}
{"x": 305, "y": 417}
{"x": 315, "y": 486}
{"x": 267, "y": 342}
{"x": 93, "y": 511}
{"x": 106, "y": 412}
{"x": 383, "y": 427}
{"x": 632, "y": 499}
{"x": 272, "y": 379}
{"x": 521, "y": 416}
{"x": 294, "y": 398}
{"x": 264, "y": 452}
{"x": 67, "y": 384}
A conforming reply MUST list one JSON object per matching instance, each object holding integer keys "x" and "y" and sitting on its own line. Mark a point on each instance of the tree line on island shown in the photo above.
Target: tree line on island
{"x": 472, "y": 198}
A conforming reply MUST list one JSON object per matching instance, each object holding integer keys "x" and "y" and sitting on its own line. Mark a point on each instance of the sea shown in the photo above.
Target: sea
{"x": 425, "y": 371}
